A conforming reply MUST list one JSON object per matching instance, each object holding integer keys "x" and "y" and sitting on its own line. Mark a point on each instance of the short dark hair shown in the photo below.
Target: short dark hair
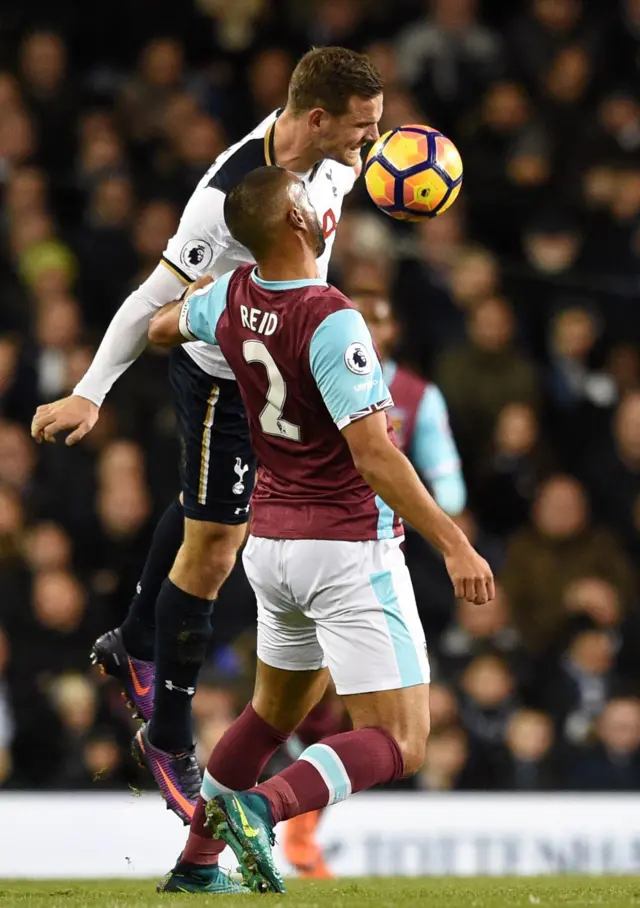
{"x": 328, "y": 77}
{"x": 249, "y": 209}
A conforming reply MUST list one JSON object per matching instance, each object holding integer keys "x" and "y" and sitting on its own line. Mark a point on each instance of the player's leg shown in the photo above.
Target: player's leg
{"x": 218, "y": 471}
{"x": 127, "y": 653}
{"x": 284, "y": 693}
{"x": 139, "y": 627}
{"x": 237, "y": 761}
{"x": 377, "y": 656}
{"x": 387, "y": 743}
{"x": 184, "y": 630}
{"x": 299, "y": 836}
{"x": 290, "y": 680}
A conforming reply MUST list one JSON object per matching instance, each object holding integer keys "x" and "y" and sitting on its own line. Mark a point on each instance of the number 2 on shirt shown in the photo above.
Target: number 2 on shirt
{"x": 271, "y": 421}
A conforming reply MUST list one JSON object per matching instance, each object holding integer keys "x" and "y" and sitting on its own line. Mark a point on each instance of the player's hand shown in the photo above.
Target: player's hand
{"x": 74, "y": 412}
{"x": 470, "y": 574}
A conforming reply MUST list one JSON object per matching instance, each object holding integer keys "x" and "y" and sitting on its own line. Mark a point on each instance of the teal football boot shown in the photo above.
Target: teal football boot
{"x": 201, "y": 880}
{"x": 244, "y": 822}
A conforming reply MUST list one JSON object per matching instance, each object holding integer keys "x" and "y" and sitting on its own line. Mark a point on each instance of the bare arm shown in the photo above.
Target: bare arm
{"x": 168, "y": 327}
{"x": 392, "y": 477}
{"x": 164, "y": 327}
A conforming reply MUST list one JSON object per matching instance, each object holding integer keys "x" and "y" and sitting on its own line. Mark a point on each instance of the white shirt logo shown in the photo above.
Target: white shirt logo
{"x": 239, "y": 470}
{"x": 196, "y": 255}
{"x": 358, "y": 359}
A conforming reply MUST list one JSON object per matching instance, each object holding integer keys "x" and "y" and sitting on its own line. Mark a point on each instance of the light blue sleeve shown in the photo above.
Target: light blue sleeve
{"x": 202, "y": 310}
{"x": 346, "y": 369}
{"x": 434, "y": 452}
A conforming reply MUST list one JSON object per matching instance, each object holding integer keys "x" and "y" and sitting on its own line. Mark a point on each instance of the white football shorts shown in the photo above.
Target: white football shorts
{"x": 346, "y": 605}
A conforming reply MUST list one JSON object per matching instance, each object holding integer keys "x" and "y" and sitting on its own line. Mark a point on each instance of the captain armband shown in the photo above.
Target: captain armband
{"x": 183, "y": 324}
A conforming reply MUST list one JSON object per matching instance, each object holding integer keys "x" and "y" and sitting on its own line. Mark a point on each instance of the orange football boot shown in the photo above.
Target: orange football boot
{"x": 301, "y": 849}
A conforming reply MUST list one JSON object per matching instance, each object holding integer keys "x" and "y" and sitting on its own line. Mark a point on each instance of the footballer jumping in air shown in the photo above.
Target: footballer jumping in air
{"x": 324, "y": 556}
{"x": 333, "y": 107}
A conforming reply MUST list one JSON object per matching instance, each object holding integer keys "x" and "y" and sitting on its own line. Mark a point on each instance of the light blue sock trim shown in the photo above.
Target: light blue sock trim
{"x": 210, "y": 788}
{"x": 334, "y": 775}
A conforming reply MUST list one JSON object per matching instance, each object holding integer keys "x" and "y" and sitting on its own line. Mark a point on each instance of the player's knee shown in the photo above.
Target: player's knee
{"x": 212, "y": 559}
{"x": 207, "y": 557}
{"x": 219, "y": 562}
{"x": 413, "y": 747}
{"x": 413, "y": 755}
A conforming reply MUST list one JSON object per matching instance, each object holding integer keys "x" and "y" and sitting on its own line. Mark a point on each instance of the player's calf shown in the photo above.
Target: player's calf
{"x": 183, "y": 627}
{"x": 387, "y": 743}
{"x": 402, "y": 713}
{"x": 183, "y": 633}
{"x": 285, "y": 698}
{"x": 236, "y": 763}
{"x": 326, "y": 773}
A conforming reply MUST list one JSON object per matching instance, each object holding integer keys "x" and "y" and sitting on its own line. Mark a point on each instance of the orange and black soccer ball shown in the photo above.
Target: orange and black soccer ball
{"x": 413, "y": 172}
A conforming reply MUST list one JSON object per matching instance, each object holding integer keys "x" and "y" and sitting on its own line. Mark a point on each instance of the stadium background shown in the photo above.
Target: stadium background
{"x": 521, "y": 302}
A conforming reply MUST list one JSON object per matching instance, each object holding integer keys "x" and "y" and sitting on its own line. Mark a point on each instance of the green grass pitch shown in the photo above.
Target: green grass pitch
{"x": 621, "y": 892}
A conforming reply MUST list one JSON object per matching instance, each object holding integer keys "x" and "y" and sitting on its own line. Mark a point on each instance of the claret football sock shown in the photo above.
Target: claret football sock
{"x": 322, "y": 721}
{"x": 183, "y": 632}
{"x": 139, "y": 627}
{"x": 235, "y": 765}
{"x": 299, "y": 842}
{"x": 331, "y": 770}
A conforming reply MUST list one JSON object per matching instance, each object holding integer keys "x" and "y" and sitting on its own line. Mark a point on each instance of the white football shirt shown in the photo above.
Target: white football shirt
{"x": 203, "y": 244}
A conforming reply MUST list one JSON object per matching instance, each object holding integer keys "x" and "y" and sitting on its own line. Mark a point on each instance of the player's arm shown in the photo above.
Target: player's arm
{"x": 193, "y": 318}
{"x": 126, "y": 336}
{"x": 434, "y": 452}
{"x": 391, "y": 475}
{"x": 349, "y": 377}
{"x": 171, "y": 325}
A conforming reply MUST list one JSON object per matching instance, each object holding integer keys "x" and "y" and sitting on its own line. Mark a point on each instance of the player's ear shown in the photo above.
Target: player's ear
{"x": 296, "y": 219}
{"x": 316, "y": 117}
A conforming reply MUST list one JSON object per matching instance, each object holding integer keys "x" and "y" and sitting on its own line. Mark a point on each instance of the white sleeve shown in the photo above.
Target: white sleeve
{"x": 201, "y": 238}
{"x": 126, "y": 336}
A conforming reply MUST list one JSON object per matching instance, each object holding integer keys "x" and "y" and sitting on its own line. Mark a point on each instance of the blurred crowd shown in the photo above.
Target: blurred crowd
{"x": 521, "y": 303}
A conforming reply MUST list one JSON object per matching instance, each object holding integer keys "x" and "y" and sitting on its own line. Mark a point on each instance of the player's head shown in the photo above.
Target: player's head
{"x": 270, "y": 210}
{"x": 378, "y": 314}
{"x": 339, "y": 93}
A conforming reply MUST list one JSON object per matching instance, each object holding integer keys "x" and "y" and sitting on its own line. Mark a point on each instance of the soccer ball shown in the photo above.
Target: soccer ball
{"x": 413, "y": 172}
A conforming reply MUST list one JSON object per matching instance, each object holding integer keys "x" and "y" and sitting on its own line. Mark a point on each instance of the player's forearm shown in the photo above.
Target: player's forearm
{"x": 164, "y": 327}
{"x": 122, "y": 344}
{"x": 172, "y": 325}
{"x": 126, "y": 336}
{"x": 391, "y": 476}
